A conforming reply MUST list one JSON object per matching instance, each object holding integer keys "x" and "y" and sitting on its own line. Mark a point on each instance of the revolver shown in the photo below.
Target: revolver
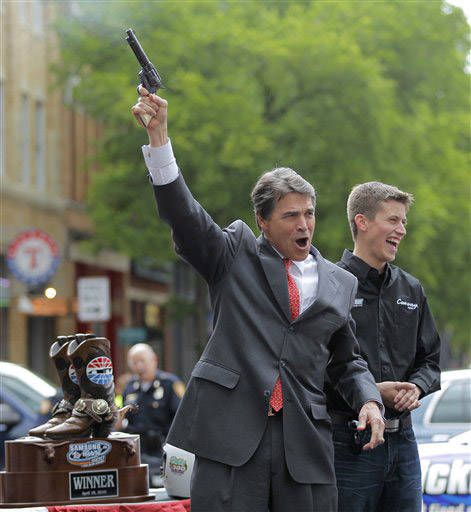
{"x": 148, "y": 75}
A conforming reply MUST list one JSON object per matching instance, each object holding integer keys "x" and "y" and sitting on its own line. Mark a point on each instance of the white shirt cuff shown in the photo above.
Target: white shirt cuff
{"x": 161, "y": 163}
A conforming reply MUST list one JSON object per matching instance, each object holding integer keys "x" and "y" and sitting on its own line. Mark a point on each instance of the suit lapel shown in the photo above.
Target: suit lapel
{"x": 275, "y": 273}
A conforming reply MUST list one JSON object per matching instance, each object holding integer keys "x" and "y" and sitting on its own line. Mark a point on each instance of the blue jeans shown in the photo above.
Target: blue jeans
{"x": 386, "y": 479}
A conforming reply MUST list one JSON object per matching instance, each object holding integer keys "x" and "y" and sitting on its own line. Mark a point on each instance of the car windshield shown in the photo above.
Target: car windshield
{"x": 31, "y": 398}
{"x": 452, "y": 406}
{"x": 24, "y": 385}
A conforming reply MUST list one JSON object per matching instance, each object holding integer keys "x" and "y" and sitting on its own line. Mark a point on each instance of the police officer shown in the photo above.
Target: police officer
{"x": 157, "y": 395}
{"x": 399, "y": 340}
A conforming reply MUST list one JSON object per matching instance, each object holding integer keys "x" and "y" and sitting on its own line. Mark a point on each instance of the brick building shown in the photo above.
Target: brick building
{"x": 47, "y": 146}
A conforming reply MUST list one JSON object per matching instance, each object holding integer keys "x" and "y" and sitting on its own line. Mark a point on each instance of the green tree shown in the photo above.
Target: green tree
{"x": 344, "y": 92}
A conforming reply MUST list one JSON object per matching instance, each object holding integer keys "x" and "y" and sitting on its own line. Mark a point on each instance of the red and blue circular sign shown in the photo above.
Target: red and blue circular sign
{"x": 33, "y": 257}
{"x": 100, "y": 371}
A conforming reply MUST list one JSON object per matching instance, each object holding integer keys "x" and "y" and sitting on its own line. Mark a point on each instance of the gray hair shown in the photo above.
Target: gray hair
{"x": 367, "y": 198}
{"x": 274, "y": 185}
{"x": 141, "y": 347}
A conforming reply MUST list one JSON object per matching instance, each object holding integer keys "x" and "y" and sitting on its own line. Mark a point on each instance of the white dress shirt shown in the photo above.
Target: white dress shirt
{"x": 161, "y": 163}
{"x": 307, "y": 279}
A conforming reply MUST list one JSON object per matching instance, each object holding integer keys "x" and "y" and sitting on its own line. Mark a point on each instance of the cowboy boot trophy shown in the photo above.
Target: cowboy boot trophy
{"x": 94, "y": 413}
{"x": 62, "y": 409}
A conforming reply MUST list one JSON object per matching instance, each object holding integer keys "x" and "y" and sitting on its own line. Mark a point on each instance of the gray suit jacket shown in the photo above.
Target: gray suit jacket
{"x": 223, "y": 414}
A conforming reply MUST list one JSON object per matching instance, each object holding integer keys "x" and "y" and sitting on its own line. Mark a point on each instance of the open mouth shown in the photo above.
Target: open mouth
{"x": 302, "y": 243}
{"x": 394, "y": 243}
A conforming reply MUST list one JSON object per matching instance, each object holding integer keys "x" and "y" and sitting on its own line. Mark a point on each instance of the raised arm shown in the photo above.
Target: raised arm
{"x": 198, "y": 239}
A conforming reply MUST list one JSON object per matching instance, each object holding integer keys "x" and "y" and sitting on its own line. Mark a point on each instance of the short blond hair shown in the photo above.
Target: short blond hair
{"x": 366, "y": 199}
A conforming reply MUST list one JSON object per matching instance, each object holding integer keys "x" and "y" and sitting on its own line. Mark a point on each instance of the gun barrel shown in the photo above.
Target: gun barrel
{"x": 137, "y": 48}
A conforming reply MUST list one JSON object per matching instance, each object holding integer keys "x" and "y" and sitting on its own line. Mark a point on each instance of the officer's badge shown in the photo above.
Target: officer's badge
{"x": 178, "y": 388}
{"x": 159, "y": 393}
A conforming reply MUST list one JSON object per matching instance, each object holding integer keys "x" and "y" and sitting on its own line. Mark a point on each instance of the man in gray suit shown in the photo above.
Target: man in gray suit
{"x": 254, "y": 411}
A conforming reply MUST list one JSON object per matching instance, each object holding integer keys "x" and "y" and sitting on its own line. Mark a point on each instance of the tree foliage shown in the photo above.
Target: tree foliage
{"x": 344, "y": 92}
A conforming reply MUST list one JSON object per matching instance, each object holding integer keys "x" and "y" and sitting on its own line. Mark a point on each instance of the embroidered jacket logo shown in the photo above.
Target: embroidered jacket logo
{"x": 408, "y": 305}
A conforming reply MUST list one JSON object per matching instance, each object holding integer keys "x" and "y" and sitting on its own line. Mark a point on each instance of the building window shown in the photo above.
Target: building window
{"x": 2, "y": 133}
{"x": 22, "y": 11}
{"x": 38, "y": 16}
{"x": 26, "y": 141}
{"x": 40, "y": 150}
{"x": 75, "y": 9}
{"x": 4, "y": 308}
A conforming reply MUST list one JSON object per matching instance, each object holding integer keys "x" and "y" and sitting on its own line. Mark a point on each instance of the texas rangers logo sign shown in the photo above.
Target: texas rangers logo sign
{"x": 33, "y": 257}
{"x": 100, "y": 371}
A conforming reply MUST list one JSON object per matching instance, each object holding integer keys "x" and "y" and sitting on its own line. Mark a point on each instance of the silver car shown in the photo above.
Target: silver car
{"x": 446, "y": 412}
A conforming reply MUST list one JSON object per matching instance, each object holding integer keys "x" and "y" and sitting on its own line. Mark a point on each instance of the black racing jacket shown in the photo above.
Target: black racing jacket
{"x": 395, "y": 329}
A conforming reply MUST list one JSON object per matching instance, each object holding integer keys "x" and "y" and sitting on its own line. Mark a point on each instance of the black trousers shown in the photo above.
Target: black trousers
{"x": 262, "y": 484}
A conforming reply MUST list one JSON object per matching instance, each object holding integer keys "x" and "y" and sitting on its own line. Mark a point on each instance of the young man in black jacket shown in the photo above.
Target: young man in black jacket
{"x": 399, "y": 340}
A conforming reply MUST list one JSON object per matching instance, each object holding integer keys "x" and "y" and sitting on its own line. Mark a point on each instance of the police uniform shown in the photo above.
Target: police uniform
{"x": 157, "y": 403}
{"x": 399, "y": 340}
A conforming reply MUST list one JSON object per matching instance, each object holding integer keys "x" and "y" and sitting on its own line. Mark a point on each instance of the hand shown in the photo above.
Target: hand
{"x": 155, "y": 107}
{"x": 371, "y": 415}
{"x": 392, "y": 392}
{"x": 407, "y": 399}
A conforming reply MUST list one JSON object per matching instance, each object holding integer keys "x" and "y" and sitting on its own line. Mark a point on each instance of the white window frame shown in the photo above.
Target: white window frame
{"x": 25, "y": 137}
{"x": 22, "y": 11}
{"x": 40, "y": 144}
{"x": 2, "y": 130}
{"x": 38, "y": 16}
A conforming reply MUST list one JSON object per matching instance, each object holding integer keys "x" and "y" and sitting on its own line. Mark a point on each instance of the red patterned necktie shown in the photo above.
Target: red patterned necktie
{"x": 276, "y": 399}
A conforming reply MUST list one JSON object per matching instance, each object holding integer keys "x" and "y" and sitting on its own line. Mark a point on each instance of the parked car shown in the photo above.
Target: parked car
{"x": 25, "y": 401}
{"x": 446, "y": 412}
{"x": 446, "y": 474}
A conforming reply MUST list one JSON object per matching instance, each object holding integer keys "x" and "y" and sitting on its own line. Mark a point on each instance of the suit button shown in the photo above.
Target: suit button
{"x": 283, "y": 362}
{"x": 266, "y": 393}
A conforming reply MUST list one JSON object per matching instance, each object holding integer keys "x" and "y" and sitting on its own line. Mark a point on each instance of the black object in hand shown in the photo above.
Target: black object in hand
{"x": 357, "y": 443}
{"x": 148, "y": 76}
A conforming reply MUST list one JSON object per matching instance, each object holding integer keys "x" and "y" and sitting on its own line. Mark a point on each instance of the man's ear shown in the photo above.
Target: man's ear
{"x": 261, "y": 223}
{"x": 361, "y": 222}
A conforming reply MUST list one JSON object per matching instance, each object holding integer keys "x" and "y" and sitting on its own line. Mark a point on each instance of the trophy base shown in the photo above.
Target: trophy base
{"x": 85, "y": 470}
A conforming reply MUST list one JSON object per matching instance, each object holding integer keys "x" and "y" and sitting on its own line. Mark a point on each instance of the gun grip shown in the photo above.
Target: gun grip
{"x": 145, "y": 119}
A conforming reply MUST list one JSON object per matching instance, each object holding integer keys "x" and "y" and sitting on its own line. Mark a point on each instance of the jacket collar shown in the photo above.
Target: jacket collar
{"x": 359, "y": 268}
{"x": 275, "y": 273}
